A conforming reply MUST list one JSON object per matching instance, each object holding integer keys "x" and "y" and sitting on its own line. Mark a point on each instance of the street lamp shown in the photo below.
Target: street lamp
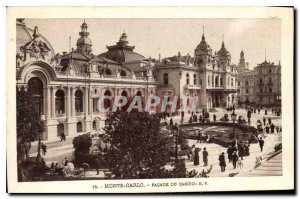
{"x": 233, "y": 118}
{"x": 175, "y": 133}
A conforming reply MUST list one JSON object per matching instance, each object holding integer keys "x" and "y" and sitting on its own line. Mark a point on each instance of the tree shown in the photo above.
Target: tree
{"x": 29, "y": 124}
{"x": 137, "y": 148}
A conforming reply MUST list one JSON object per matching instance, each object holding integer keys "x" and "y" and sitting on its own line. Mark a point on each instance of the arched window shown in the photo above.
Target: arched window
{"x": 79, "y": 127}
{"x": 60, "y": 101}
{"x": 187, "y": 79}
{"x": 208, "y": 80}
{"x": 35, "y": 90}
{"x": 60, "y": 129}
{"x": 221, "y": 82}
{"x": 216, "y": 81}
{"x": 123, "y": 73}
{"x": 79, "y": 101}
{"x": 195, "y": 79}
{"x": 107, "y": 102}
{"x": 108, "y": 71}
{"x": 139, "y": 93}
{"x": 94, "y": 125}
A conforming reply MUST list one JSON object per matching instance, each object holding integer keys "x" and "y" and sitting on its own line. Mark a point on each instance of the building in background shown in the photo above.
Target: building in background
{"x": 260, "y": 86}
{"x": 208, "y": 78}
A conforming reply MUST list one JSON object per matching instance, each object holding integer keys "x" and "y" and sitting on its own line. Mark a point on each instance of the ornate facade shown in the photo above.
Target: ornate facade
{"x": 65, "y": 88}
{"x": 260, "y": 86}
{"x": 209, "y": 77}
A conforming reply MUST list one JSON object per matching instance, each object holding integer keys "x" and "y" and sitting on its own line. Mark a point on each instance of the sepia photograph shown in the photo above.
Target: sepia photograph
{"x": 147, "y": 100}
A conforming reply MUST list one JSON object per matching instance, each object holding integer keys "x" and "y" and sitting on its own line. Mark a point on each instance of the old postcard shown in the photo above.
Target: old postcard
{"x": 149, "y": 99}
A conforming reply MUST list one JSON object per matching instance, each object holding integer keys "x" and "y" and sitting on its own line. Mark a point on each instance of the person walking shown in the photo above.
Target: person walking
{"x": 196, "y": 158}
{"x": 222, "y": 162}
{"x": 264, "y": 121}
{"x": 261, "y": 144}
{"x": 234, "y": 159}
{"x": 192, "y": 153}
{"x": 62, "y": 137}
{"x": 205, "y": 156}
{"x": 171, "y": 122}
{"x": 277, "y": 129}
{"x": 267, "y": 128}
{"x": 269, "y": 120}
{"x": 215, "y": 117}
{"x": 97, "y": 165}
{"x": 258, "y": 110}
{"x": 199, "y": 136}
{"x": 44, "y": 148}
{"x": 229, "y": 152}
{"x": 272, "y": 126}
{"x": 266, "y": 112}
{"x": 241, "y": 151}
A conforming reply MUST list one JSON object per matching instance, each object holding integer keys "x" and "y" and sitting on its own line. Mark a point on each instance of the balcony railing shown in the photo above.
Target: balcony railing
{"x": 194, "y": 87}
{"x": 169, "y": 86}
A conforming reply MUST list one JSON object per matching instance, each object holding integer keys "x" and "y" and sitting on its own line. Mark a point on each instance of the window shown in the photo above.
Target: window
{"x": 221, "y": 82}
{"x": 247, "y": 91}
{"x": 108, "y": 71}
{"x": 200, "y": 82}
{"x": 270, "y": 79}
{"x": 216, "y": 81}
{"x": 270, "y": 71}
{"x": 166, "y": 78}
{"x": 231, "y": 82}
{"x": 79, "y": 127}
{"x": 239, "y": 83}
{"x": 94, "y": 125}
{"x": 60, "y": 129}
{"x": 106, "y": 101}
{"x": 78, "y": 101}
{"x": 123, "y": 73}
{"x": 195, "y": 79}
{"x": 187, "y": 79}
{"x": 60, "y": 102}
{"x": 208, "y": 80}
{"x": 270, "y": 90}
{"x": 247, "y": 83}
{"x": 260, "y": 80}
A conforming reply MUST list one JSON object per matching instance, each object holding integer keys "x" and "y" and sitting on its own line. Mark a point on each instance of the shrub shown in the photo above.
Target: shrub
{"x": 82, "y": 143}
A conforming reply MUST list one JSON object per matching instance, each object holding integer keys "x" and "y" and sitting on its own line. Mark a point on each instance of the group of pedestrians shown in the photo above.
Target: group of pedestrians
{"x": 195, "y": 157}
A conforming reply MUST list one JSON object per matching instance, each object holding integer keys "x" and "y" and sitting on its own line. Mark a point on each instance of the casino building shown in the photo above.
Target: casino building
{"x": 207, "y": 79}
{"x": 65, "y": 87}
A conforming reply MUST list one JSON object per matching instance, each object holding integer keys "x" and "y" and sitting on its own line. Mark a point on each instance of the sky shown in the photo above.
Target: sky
{"x": 152, "y": 37}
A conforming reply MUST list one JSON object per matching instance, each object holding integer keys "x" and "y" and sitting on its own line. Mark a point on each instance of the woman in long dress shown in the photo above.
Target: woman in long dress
{"x": 192, "y": 153}
{"x": 196, "y": 158}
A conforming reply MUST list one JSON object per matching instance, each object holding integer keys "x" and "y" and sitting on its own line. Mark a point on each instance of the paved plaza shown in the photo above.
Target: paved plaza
{"x": 57, "y": 151}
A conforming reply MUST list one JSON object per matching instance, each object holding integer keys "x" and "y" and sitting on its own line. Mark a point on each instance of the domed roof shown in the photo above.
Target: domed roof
{"x": 203, "y": 46}
{"x": 25, "y": 35}
{"x": 84, "y": 41}
{"x": 122, "y": 52}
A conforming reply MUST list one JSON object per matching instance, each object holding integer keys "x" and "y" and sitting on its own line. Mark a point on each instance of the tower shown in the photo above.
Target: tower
{"x": 242, "y": 66}
{"x": 203, "y": 54}
{"x": 224, "y": 55}
{"x": 84, "y": 44}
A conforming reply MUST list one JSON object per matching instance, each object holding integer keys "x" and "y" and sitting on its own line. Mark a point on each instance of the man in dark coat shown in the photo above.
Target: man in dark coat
{"x": 222, "y": 162}
{"x": 215, "y": 117}
{"x": 199, "y": 137}
{"x": 44, "y": 148}
{"x": 272, "y": 126}
{"x": 261, "y": 144}
{"x": 229, "y": 152}
{"x": 234, "y": 159}
{"x": 264, "y": 121}
{"x": 269, "y": 120}
{"x": 241, "y": 151}
{"x": 205, "y": 156}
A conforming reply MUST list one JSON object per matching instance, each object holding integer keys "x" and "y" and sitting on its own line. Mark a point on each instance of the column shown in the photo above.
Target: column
{"x": 73, "y": 111}
{"x": 48, "y": 103}
{"x": 219, "y": 80}
{"x": 86, "y": 103}
{"x": 44, "y": 112}
{"x": 53, "y": 102}
{"x": 68, "y": 105}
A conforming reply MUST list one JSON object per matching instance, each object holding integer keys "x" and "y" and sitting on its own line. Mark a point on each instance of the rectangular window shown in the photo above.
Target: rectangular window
{"x": 166, "y": 78}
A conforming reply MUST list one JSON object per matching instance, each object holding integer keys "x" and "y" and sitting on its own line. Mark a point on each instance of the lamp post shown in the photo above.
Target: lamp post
{"x": 175, "y": 133}
{"x": 233, "y": 118}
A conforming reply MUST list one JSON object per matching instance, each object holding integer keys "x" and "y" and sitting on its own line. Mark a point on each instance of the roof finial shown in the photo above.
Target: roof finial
{"x": 223, "y": 45}
{"x": 203, "y": 29}
{"x": 203, "y": 37}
